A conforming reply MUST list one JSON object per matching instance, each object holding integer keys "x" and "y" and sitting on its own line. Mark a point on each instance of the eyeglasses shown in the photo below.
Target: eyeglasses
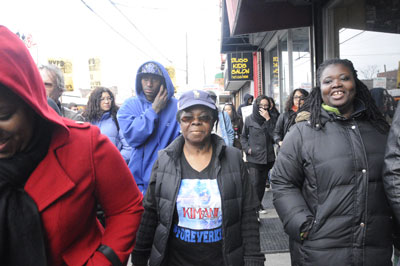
{"x": 265, "y": 106}
{"x": 106, "y": 98}
{"x": 48, "y": 84}
{"x": 299, "y": 97}
{"x": 202, "y": 118}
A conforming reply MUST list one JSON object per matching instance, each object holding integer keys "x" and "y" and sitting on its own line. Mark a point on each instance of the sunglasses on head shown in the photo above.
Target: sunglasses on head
{"x": 190, "y": 118}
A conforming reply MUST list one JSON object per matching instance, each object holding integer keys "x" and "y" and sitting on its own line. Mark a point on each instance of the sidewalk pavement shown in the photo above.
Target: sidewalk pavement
{"x": 273, "y": 240}
{"x": 278, "y": 259}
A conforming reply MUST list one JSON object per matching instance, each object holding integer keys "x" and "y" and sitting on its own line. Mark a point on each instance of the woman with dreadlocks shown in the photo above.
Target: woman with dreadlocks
{"x": 101, "y": 111}
{"x": 327, "y": 180}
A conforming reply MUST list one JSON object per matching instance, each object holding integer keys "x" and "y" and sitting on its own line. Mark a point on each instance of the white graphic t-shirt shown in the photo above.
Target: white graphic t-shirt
{"x": 199, "y": 208}
{"x": 196, "y": 234}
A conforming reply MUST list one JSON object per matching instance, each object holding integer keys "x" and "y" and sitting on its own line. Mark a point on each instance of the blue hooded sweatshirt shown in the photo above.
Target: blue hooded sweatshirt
{"x": 146, "y": 131}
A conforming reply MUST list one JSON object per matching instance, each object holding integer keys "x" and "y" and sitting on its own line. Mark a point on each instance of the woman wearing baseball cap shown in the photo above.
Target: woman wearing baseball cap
{"x": 200, "y": 208}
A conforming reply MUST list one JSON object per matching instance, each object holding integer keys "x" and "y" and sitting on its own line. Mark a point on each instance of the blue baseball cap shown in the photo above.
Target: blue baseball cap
{"x": 196, "y": 97}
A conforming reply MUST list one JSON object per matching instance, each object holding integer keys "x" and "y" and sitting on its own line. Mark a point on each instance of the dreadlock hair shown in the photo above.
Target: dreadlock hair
{"x": 93, "y": 111}
{"x": 289, "y": 101}
{"x": 313, "y": 102}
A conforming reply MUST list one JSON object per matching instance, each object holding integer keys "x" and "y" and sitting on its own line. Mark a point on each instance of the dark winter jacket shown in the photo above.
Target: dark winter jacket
{"x": 259, "y": 139}
{"x": 274, "y": 113}
{"x": 281, "y": 127}
{"x": 240, "y": 233}
{"x": 237, "y": 125}
{"x": 332, "y": 174}
{"x": 391, "y": 170}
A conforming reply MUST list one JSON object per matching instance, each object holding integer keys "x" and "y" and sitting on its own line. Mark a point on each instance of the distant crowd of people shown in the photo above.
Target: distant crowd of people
{"x": 170, "y": 181}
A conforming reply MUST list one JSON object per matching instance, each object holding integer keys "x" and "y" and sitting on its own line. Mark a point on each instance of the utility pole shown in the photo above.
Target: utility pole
{"x": 187, "y": 59}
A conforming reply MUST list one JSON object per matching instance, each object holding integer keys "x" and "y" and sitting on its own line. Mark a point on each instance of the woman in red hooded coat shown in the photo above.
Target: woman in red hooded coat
{"x": 53, "y": 172}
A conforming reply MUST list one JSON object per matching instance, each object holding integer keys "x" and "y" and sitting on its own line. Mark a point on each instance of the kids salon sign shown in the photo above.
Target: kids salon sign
{"x": 240, "y": 66}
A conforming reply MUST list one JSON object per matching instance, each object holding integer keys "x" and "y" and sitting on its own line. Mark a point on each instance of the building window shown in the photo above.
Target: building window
{"x": 302, "y": 77}
{"x": 284, "y": 70}
{"x": 274, "y": 73}
{"x": 290, "y": 64}
{"x": 375, "y": 55}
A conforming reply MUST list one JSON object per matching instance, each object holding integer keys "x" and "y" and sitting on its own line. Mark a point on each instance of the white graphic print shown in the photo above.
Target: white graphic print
{"x": 199, "y": 204}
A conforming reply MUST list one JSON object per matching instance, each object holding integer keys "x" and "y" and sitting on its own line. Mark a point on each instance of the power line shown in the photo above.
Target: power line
{"x": 113, "y": 29}
{"x": 141, "y": 33}
{"x": 142, "y": 7}
{"x": 352, "y": 37}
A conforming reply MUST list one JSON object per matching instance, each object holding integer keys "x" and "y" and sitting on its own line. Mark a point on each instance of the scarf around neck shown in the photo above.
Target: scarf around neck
{"x": 256, "y": 114}
{"x": 331, "y": 109}
{"x": 21, "y": 236}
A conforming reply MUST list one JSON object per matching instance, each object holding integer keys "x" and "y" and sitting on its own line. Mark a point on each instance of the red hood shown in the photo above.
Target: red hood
{"x": 19, "y": 72}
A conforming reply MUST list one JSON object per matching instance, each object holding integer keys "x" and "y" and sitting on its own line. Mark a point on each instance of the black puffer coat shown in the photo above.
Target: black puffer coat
{"x": 281, "y": 128}
{"x": 258, "y": 139}
{"x": 391, "y": 170}
{"x": 332, "y": 174}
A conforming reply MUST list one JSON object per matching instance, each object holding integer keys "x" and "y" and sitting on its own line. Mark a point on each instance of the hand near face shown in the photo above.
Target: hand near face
{"x": 161, "y": 99}
{"x": 264, "y": 113}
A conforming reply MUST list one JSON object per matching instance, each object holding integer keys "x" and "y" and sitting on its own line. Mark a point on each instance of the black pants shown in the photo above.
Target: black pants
{"x": 258, "y": 175}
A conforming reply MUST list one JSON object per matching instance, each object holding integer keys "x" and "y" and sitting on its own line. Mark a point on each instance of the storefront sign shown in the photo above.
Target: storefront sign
{"x": 94, "y": 72}
{"x": 379, "y": 82}
{"x": 398, "y": 76}
{"x": 66, "y": 67}
{"x": 275, "y": 74}
{"x": 240, "y": 66}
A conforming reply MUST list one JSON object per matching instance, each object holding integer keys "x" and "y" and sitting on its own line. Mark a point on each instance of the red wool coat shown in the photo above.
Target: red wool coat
{"x": 82, "y": 167}
{"x": 77, "y": 170}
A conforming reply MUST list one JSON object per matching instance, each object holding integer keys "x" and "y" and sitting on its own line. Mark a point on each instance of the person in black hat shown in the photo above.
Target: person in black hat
{"x": 200, "y": 208}
{"x": 147, "y": 120}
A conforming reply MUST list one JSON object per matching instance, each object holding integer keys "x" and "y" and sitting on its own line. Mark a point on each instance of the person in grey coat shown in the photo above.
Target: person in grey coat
{"x": 327, "y": 180}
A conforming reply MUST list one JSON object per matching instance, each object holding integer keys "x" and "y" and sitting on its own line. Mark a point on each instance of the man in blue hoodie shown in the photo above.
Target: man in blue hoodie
{"x": 148, "y": 120}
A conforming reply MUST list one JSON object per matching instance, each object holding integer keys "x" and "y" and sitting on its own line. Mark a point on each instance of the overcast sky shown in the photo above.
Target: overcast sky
{"x": 156, "y": 31}
{"x": 370, "y": 49}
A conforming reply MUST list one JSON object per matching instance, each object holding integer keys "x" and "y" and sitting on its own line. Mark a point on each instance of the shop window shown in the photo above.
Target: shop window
{"x": 375, "y": 56}
{"x": 285, "y": 82}
{"x": 274, "y": 73}
{"x": 302, "y": 77}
